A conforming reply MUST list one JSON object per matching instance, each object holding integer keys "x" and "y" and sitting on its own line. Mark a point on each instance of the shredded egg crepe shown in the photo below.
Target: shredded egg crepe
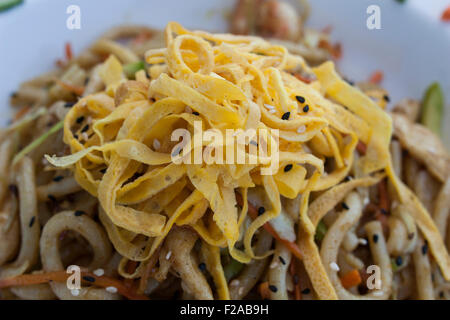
{"x": 124, "y": 157}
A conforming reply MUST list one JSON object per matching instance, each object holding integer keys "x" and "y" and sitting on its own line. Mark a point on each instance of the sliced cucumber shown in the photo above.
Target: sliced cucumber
{"x": 433, "y": 108}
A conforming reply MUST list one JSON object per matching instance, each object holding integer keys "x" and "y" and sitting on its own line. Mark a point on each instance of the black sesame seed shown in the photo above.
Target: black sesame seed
{"x": 375, "y": 238}
{"x": 273, "y": 288}
{"x": 300, "y": 99}
{"x": 103, "y": 171}
{"x": 350, "y": 82}
{"x": 286, "y": 116}
{"x": 32, "y": 221}
{"x": 79, "y": 213}
{"x": 386, "y": 98}
{"x": 306, "y": 108}
{"x": 75, "y": 136}
{"x": 13, "y": 189}
{"x": 288, "y": 168}
{"x": 195, "y": 113}
{"x": 51, "y": 197}
{"x": 306, "y": 291}
{"x": 89, "y": 279}
{"x": 58, "y": 178}
{"x": 282, "y": 260}
{"x": 253, "y": 142}
{"x": 347, "y": 178}
{"x": 202, "y": 266}
{"x": 85, "y": 128}
{"x": 261, "y": 210}
{"x": 425, "y": 248}
{"x": 69, "y": 104}
{"x": 345, "y": 206}
{"x": 411, "y": 236}
{"x": 80, "y": 119}
{"x": 399, "y": 261}
{"x": 383, "y": 211}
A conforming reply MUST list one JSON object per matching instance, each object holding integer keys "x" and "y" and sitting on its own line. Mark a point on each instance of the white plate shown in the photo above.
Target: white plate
{"x": 412, "y": 48}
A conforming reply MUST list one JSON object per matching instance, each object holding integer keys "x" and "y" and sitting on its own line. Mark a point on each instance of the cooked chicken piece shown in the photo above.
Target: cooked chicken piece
{"x": 423, "y": 145}
{"x": 278, "y": 19}
{"x": 409, "y": 108}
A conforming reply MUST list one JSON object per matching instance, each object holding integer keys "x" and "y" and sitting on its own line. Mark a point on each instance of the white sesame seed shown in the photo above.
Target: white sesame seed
{"x": 99, "y": 272}
{"x": 235, "y": 283}
{"x": 241, "y": 290}
{"x": 366, "y": 201}
{"x": 188, "y": 109}
{"x": 111, "y": 289}
{"x": 156, "y": 144}
{"x": 301, "y": 129}
{"x": 85, "y": 136}
{"x": 168, "y": 255}
{"x": 272, "y": 111}
{"x": 268, "y": 106}
{"x": 75, "y": 292}
{"x": 334, "y": 266}
{"x": 362, "y": 241}
{"x": 274, "y": 265}
{"x": 89, "y": 120}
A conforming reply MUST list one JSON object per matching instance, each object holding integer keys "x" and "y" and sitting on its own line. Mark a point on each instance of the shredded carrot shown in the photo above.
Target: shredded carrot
{"x": 131, "y": 268}
{"x": 69, "y": 53}
{"x": 302, "y": 78}
{"x": 361, "y": 147}
{"x": 351, "y": 279}
{"x": 253, "y": 213}
{"x": 293, "y": 271}
{"x": 446, "y": 15}
{"x": 376, "y": 77}
{"x": 334, "y": 50}
{"x": 148, "y": 270}
{"x": 264, "y": 290}
{"x": 70, "y": 87}
{"x": 142, "y": 37}
{"x": 22, "y": 112}
{"x": 61, "y": 276}
{"x": 383, "y": 194}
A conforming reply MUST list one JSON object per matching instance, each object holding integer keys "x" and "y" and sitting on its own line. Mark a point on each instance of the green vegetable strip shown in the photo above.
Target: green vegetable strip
{"x": 36, "y": 143}
{"x": 232, "y": 269}
{"x": 433, "y": 108}
{"x": 321, "y": 231}
{"x": 7, "y": 4}
{"x": 131, "y": 68}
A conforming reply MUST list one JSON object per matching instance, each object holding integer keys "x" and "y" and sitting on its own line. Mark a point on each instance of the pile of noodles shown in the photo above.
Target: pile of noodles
{"x": 122, "y": 156}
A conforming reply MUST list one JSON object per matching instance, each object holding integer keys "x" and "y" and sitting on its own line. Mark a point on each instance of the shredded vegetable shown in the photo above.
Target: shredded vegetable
{"x": 33, "y": 145}
{"x": 433, "y": 108}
